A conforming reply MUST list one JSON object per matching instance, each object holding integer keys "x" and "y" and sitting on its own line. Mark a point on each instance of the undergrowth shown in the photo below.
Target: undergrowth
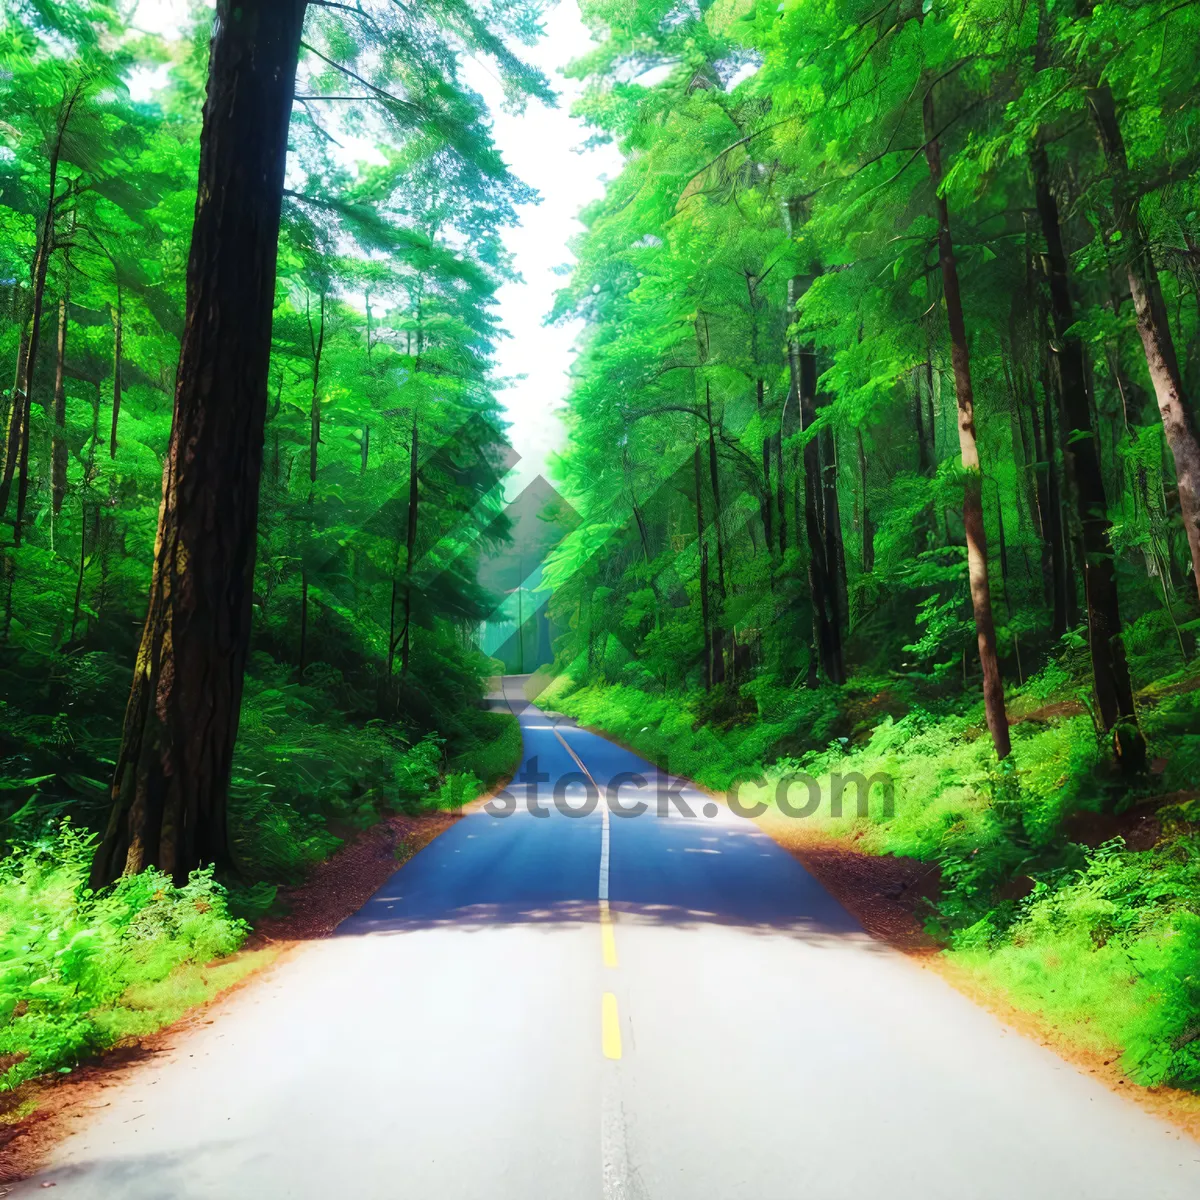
{"x": 79, "y": 971}
{"x": 1037, "y": 901}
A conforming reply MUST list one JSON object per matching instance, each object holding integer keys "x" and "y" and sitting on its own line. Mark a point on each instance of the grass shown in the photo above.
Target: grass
{"x": 487, "y": 761}
{"x": 81, "y": 972}
{"x": 1101, "y": 941}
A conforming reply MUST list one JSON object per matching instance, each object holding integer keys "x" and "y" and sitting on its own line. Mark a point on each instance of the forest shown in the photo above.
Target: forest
{"x": 882, "y": 437}
{"x": 332, "y": 511}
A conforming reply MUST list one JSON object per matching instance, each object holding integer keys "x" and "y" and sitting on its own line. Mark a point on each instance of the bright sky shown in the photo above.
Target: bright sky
{"x": 541, "y": 146}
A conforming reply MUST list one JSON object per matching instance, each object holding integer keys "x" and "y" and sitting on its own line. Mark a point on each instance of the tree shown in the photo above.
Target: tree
{"x": 977, "y": 559}
{"x": 173, "y": 769}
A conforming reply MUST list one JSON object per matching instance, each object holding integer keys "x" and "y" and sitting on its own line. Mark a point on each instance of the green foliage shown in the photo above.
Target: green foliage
{"x": 1104, "y": 944}
{"x": 1110, "y": 956}
{"x": 69, "y": 958}
{"x": 492, "y": 751}
{"x": 777, "y": 212}
{"x": 381, "y": 468}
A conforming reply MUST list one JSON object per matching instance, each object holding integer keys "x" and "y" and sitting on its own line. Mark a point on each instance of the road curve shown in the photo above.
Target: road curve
{"x": 492, "y": 1026}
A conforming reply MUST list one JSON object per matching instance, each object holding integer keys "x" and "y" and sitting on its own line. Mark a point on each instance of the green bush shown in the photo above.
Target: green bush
{"x": 69, "y": 956}
{"x": 492, "y": 751}
{"x": 1110, "y": 955}
{"x": 1106, "y": 943}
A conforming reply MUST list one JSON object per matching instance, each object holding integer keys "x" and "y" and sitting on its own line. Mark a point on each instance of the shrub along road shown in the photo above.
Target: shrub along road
{"x": 609, "y": 1007}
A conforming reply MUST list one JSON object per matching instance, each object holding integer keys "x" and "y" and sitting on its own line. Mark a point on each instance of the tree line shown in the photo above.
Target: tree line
{"x": 251, "y": 379}
{"x": 892, "y": 348}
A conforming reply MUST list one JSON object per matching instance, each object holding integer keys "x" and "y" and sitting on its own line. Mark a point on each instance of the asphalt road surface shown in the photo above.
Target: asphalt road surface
{"x": 609, "y": 1008}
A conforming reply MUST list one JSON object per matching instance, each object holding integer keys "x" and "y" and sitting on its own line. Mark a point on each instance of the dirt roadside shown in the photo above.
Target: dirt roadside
{"x": 890, "y": 897}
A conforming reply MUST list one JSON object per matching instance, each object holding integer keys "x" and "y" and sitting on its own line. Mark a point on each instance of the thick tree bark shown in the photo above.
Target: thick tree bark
{"x": 1110, "y": 672}
{"x": 171, "y": 781}
{"x": 58, "y": 446}
{"x": 977, "y": 566}
{"x": 1178, "y": 416}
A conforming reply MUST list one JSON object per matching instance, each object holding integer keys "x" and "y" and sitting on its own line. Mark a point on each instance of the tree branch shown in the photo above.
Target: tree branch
{"x": 387, "y": 97}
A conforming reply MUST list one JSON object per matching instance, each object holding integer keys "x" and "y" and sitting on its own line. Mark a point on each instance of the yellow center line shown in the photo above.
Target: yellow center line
{"x": 610, "y": 1023}
{"x": 608, "y": 941}
{"x": 610, "y": 1027}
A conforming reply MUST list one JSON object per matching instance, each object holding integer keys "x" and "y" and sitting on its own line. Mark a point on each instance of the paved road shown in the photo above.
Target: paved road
{"x": 492, "y": 1026}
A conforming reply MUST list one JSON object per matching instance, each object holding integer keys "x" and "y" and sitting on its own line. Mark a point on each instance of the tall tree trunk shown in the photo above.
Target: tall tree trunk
{"x": 392, "y": 639}
{"x": 314, "y": 404}
{"x": 410, "y": 550}
{"x": 702, "y": 550}
{"x": 364, "y": 449}
{"x": 1066, "y": 608}
{"x": 924, "y": 437}
{"x": 118, "y": 320}
{"x": 767, "y": 492}
{"x": 1049, "y": 509}
{"x": 23, "y": 465}
{"x": 926, "y": 422}
{"x": 1110, "y": 672}
{"x": 171, "y": 781}
{"x": 1178, "y": 416}
{"x": 20, "y": 320}
{"x": 58, "y": 448}
{"x": 977, "y": 566}
{"x": 17, "y": 440}
{"x": 802, "y": 364}
{"x": 868, "y": 529}
{"x": 1003, "y": 547}
{"x": 827, "y": 630}
{"x": 831, "y": 529}
{"x": 718, "y": 617}
{"x": 12, "y": 437}
{"x": 781, "y": 495}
